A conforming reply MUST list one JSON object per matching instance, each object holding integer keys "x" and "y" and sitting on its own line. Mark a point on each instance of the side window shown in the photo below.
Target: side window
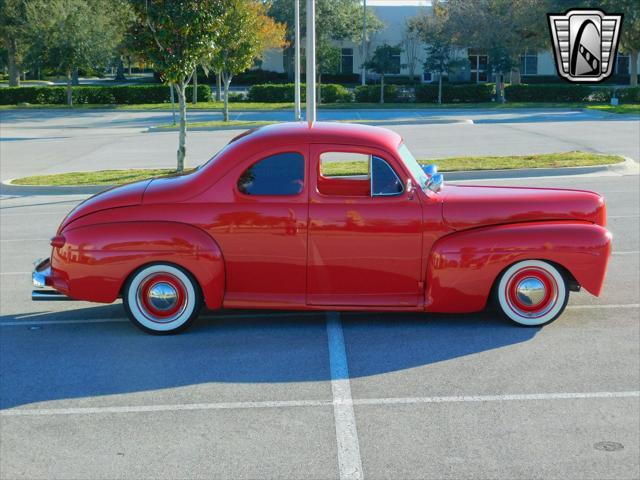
{"x": 280, "y": 174}
{"x": 384, "y": 180}
{"x": 344, "y": 174}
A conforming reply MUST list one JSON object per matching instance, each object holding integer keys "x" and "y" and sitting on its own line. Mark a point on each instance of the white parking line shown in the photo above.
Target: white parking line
{"x": 18, "y": 412}
{"x": 349, "y": 461}
{"x": 596, "y": 306}
{"x": 630, "y": 252}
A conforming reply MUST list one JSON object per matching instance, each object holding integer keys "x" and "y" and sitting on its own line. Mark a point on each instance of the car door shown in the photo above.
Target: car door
{"x": 260, "y": 221}
{"x": 365, "y": 230}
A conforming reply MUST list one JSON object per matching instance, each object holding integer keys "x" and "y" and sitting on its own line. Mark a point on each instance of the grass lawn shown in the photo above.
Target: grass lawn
{"x": 550, "y": 160}
{"x": 627, "y": 108}
{"x": 239, "y": 106}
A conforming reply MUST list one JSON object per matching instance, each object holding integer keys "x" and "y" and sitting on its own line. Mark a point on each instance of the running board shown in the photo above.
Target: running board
{"x": 48, "y": 295}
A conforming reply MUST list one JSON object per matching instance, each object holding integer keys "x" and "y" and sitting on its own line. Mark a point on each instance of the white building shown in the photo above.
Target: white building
{"x": 394, "y": 14}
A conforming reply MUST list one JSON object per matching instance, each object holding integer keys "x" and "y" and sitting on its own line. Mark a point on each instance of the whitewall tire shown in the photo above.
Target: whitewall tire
{"x": 162, "y": 298}
{"x": 532, "y": 293}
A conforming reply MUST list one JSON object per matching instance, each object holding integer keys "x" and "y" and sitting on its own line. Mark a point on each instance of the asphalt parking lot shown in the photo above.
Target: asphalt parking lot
{"x": 84, "y": 394}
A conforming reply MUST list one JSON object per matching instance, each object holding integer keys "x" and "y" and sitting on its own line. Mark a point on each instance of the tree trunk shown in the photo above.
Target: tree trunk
{"x": 182, "y": 140}
{"x": 195, "y": 86}
{"x": 12, "y": 64}
{"x": 382, "y": 88}
{"x": 499, "y": 90}
{"x": 74, "y": 77}
{"x": 69, "y": 91}
{"x": 119, "y": 70}
{"x": 319, "y": 89}
{"x": 129, "y": 60}
{"x": 440, "y": 88}
{"x": 633, "y": 68}
{"x": 515, "y": 76}
{"x": 218, "y": 86}
{"x": 227, "y": 82}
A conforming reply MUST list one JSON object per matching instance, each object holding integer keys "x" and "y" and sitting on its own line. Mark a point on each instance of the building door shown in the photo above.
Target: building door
{"x": 478, "y": 66}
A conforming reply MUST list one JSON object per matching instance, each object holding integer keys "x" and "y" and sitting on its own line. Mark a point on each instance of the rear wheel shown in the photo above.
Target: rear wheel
{"x": 162, "y": 299}
{"x": 532, "y": 293}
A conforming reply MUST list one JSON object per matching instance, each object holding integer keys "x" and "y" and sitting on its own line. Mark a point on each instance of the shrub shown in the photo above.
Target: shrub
{"x": 330, "y": 93}
{"x": 127, "y": 94}
{"x": 255, "y": 77}
{"x": 371, "y": 93}
{"x": 467, "y": 93}
{"x": 548, "y": 93}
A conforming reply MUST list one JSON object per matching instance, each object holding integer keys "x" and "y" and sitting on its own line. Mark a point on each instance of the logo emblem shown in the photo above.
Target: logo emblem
{"x": 585, "y": 44}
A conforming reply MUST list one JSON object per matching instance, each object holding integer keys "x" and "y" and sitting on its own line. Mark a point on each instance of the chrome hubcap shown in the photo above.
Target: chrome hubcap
{"x": 531, "y": 291}
{"x": 162, "y": 296}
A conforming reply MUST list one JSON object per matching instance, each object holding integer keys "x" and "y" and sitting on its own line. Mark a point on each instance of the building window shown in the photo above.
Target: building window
{"x": 346, "y": 65}
{"x": 529, "y": 63}
{"x": 281, "y": 174}
{"x": 396, "y": 64}
{"x": 426, "y": 76}
{"x": 622, "y": 65}
{"x": 478, "y": 66}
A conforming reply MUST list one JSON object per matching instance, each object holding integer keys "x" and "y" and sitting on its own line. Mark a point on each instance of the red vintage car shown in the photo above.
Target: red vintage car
{"x": 267, "y": 223}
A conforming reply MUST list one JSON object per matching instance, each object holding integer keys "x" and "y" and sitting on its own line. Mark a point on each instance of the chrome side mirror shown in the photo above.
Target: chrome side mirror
{"x": 435, "y": 182}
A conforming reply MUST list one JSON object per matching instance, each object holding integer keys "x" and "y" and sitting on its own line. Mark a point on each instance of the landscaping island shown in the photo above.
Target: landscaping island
{"x": 453, "y": 164}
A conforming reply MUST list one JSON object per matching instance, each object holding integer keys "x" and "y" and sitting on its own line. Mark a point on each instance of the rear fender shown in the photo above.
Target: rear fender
{"x": 96, "y": 260}
{"x": 463, "y": 266}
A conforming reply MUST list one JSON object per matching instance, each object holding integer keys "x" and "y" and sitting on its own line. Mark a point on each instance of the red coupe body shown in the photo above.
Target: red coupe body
{"x": 327, "y": 242}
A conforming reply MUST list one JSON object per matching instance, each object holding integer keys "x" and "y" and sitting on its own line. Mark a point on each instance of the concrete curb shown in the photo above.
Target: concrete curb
{"x": 628, "y": 167}
{"x": 396, "y": 121}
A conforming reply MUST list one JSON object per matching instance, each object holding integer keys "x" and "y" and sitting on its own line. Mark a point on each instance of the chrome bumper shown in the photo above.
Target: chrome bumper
{"x": 41, "y": 279}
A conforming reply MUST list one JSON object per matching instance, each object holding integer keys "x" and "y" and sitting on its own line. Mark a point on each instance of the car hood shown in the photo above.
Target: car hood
{"x": 475, "y": 206}
{"x": 122, "y": 196}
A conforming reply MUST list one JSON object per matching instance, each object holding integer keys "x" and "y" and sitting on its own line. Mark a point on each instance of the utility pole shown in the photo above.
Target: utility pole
{"x": 363, "y": 74}
{"x": 297, "y": 61}
{"x": 311, "y": 61}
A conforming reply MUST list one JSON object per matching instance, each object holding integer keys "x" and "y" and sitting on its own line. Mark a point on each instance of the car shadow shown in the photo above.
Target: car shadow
{"x": 41, "y": 362}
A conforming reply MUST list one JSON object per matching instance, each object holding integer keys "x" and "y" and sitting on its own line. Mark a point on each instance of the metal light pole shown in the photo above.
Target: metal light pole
{"x": 297, "y": 61}
{"x": 363, "y": 75}
{"x": 311, "y": 61}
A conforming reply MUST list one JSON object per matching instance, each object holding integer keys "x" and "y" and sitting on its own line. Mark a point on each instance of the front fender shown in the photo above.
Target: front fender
{"x": 463, "y": 266}
{"x": 96, "y": 260}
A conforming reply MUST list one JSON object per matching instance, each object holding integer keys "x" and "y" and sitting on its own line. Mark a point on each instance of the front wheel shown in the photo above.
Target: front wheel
{"x": 532, "y": 293}
{"x": 162, "y": 299}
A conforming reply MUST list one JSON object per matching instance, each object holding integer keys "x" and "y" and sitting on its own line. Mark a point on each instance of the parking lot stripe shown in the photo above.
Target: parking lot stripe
{"x": 162, "y": 408}
{"x": 596, "y": 306}
{"x": 349, "y": 461}
{"x": 630, "y": 252}
{"x": 19, "y": 412}
{"x": 495, "y": 398}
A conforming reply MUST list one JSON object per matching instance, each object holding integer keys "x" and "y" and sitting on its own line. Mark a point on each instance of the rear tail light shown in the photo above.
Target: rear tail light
{"x": 58, "y": 241}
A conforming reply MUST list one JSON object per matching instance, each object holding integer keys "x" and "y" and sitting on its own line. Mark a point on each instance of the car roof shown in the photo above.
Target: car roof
{"x": 322, "y": 132}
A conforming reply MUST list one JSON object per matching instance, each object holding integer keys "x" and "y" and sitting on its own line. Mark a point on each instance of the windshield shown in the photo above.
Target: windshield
{"x": 413, "y": 166}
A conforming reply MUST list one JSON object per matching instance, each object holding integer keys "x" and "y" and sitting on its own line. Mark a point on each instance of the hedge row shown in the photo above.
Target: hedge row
{"x": 131, "y": 94}
{"x": 569, "y": 93}
{"x": 469, "y": 93}
{"x": 329, "y": 93}
{"x": 371, "y": 93}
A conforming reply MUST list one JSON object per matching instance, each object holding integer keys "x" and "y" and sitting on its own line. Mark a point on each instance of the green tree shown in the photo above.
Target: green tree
{"x": 13, "y": 24}
{"x": 72, "y": 34}
{"x": 177, "y": 36}
{"x": 629, "y": 33}
{"x": 384, "y": 61}
{"x": 441, "y": 54}
{"x": 504, "y": 29}
{"x": 335, "y": 20}
{"x": 245, "y": 33}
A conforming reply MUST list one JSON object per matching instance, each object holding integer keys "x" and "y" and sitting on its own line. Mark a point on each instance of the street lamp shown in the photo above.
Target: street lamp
{"x": 363, "y": 74}
{"x": 311, "y": 62}
{"x": 297, "y": 61}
